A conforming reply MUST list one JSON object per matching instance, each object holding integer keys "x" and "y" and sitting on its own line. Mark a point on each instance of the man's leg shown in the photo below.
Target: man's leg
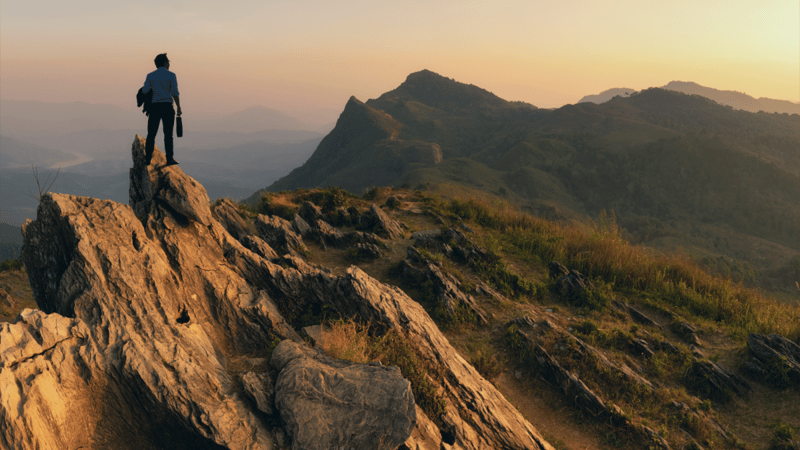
{"x": 169, "y": 122}
{"x": 152, "y": 129}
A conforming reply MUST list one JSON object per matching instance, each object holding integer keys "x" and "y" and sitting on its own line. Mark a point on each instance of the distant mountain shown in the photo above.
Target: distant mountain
{"x": 15, "y": 153}
{"x": 362, "y": 149}
{"x": 607, "y": 95}
{"x": 737, "y": 100}
{"x": 22, "y": 119}
{"x": 257, "y": 118}
{"x": 675, "y": 168}
{"x": 10, "y": 241}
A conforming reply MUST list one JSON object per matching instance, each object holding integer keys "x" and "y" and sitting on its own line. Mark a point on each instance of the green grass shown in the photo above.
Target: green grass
{"x": 599, "y": 252}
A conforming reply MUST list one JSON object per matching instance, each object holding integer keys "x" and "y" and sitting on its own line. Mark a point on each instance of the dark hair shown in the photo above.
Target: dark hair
{"x": 161, "y": 60}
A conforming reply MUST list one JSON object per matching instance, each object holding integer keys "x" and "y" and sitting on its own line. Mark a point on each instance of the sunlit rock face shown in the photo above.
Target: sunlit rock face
{"x": 157, "y": 326}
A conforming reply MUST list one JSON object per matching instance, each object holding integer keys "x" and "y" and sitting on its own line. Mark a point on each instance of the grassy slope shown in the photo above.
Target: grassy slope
{"x": 723, "y": 312}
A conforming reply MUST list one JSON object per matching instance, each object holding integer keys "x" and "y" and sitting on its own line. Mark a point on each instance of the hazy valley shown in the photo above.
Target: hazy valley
{"x": 504, "y": 276}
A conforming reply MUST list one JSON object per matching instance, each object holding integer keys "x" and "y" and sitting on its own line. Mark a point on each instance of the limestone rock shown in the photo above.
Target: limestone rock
{"x": 150, "y": 311}
{"x": 377, "y": 221}
{"x": 310, "y": 213}
{"x": 167, "y": 186}
{"x": 715, "y": 382}
{"x": 259, "y": 387}
{"x": 228, "y": 215}
{"x": 328, "y": 403}
{"x": 279, "y": 234}
{"x": 775, "y": 359}
{"x": 258, "y": 246}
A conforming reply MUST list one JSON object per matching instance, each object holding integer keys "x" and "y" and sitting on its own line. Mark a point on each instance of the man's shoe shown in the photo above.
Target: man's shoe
{"x": 171, "y": 162}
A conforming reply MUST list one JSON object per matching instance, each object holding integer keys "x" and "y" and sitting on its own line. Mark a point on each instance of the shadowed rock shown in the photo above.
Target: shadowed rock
{"x": 715, "y": 382}
{"x": 279, "y": 234}
{"x": 377, "y": 221}
{"x": 228, "y": 215}
{"x": 775, "y": 359}
{"x": 328, "y": 403}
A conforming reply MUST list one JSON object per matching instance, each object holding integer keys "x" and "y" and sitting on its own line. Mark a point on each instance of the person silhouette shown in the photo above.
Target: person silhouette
{"x": 164, "y": 85}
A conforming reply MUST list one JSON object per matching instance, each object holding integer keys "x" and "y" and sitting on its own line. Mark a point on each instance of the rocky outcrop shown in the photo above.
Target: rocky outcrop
{"x": 774, "y": 360}
{"x": 528, "y": 336}
{"x": 378, "y": 222}
{"x": 155, "y": 323}
{"x": 228, "y": 215}
{"x": 328, "y": 403}
{"x": 713, "y": 381}
{"x": 455, "y": 303}
{"x": 279, "y": 234}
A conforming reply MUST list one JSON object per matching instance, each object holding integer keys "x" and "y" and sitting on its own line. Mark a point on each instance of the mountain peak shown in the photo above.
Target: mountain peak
{"x": 437, "y": 91}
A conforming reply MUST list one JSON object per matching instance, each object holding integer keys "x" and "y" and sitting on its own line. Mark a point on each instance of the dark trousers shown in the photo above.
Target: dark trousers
{"x": 159, "y": 112}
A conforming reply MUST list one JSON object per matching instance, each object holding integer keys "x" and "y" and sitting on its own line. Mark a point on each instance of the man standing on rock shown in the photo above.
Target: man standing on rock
{"x": 165, "y": 88}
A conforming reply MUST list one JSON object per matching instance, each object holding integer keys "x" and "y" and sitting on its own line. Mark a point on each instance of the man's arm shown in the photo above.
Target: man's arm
{"x": 177, "y": 99}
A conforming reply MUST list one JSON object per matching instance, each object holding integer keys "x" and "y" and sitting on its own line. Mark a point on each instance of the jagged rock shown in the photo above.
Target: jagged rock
{"x": 328, "y": 403}
{"x": 279, "y": 234}
{"x": 557, "y": 270}
{"x": 228, "y": 215}
{"x": 714, "y": 382}
{"x": 775, "y": 359}
{"x": 327, "y": 236}
{"x": 686, "y": 331}
{"x": 7, "y": 298}
{"x": 257, "y": 245}
{"x": 377, "y": 220}
{"x": 166, "y": 186}
{"x": 427, "y": 238}
{"x": 444, "y": 286}
{"x": 697, "y": 416}
{"x": 300, "y": 226}
{"x": 462, "y": 250}
{"x": 586, "y": 352}
{"x": 259, "y": 387}
{"x": 370, "y": 251}
{"x": 147, "y": 314}
{"x": 641, "y": 347}
{"x": 635, "y": 313}
{"x": 310, "y": 213}
{"x": 574, "y": 287}
{"x": 574, "y": 388}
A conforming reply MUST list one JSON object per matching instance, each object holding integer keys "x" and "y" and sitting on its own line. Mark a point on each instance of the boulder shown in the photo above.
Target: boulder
{"x": 328, "y": 403}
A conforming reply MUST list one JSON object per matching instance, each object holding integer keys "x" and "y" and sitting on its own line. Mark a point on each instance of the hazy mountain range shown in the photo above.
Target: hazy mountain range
{"x": 737, "y": 100}
{"x": 680, "y": 172}
{"x": 232, "y": 155}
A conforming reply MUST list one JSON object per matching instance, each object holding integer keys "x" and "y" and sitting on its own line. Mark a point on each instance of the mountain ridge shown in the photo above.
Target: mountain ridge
{"x": 586, "y": 158}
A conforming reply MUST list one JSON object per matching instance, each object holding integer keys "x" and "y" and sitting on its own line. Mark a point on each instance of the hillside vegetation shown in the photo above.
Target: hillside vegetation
{"x": 681, "y": 173}
{"x": 637, "y": 339}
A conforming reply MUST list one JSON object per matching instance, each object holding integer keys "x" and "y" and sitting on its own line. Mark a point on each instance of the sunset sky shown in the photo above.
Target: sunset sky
{"x": 304, "y": 55}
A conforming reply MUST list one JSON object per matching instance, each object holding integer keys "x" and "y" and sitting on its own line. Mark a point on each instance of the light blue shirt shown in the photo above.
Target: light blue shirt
{"x": 164, "y": 84}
